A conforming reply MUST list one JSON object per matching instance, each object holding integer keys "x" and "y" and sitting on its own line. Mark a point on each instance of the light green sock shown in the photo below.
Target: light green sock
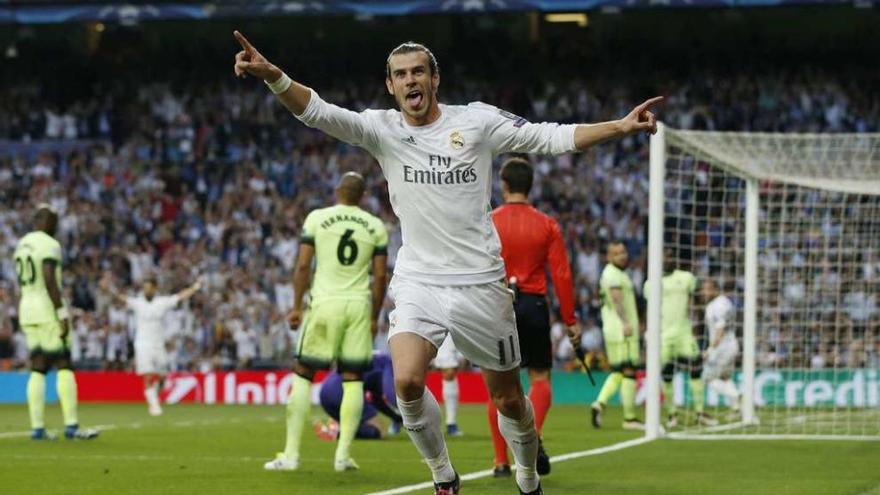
{"x": 628, "y": 397}
{"x": 350, "y": 412}
{"x": 298, "y": 405}
{"x": 36, "y": 397}
{"x": 697, "y": 393}
{"x": 65, "y": 385}
{"x": 668, "y": 398}
{"x": 609, "y": 388}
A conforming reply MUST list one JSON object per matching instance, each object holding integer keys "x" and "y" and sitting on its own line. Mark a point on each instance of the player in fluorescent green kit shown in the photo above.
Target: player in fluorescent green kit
{"x": 45, "y": 321}
{"x": 620, "y": 328}
{"x": 678, "y": 344}
{"x": 341, "y": 319}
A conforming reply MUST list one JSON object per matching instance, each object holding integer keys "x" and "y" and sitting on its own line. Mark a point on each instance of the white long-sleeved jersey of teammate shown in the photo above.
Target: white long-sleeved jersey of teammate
{"x": 149, "y": 339}
{"x": 721, "y": 358}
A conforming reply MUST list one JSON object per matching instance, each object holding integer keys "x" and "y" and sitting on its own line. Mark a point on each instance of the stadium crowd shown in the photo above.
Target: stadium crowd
{"x": 180, "y": 184}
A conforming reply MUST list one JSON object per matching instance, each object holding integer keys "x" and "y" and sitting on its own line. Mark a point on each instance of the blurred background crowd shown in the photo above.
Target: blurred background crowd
{"x": 185, "y": 172}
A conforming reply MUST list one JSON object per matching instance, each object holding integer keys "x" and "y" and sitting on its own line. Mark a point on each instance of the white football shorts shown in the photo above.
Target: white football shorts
{"x": 478, "y": 318}
{"x": 150, "y": 359}
{"x": 720, "y": 362}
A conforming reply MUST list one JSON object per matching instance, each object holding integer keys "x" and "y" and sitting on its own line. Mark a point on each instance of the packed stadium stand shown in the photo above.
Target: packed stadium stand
{"x": 211, "y": 177}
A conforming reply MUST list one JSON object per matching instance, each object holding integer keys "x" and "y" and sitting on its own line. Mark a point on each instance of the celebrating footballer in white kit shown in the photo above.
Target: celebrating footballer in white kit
{"x": 449, "y": 274}
{"x": 151, "y": 361}
{"x": 723, "y": 345}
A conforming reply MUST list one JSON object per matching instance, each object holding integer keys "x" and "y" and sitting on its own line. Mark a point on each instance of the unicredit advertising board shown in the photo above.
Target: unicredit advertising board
{"x": 791, "y": 388}
{"x": 221, "y": 387}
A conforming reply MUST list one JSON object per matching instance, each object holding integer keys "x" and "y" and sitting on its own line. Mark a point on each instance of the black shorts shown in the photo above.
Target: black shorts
{"x": 533, "y": 327}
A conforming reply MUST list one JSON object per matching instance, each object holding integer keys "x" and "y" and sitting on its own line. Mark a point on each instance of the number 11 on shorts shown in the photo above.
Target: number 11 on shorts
{"x": 503, "y": 350}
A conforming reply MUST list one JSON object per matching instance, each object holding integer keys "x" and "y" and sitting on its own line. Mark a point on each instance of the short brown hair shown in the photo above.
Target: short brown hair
{"x": 518, "y": 175}
{"x": 411, "y": 47}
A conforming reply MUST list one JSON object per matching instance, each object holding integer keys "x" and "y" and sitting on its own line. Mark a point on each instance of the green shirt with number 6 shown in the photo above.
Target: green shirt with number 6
{"x": 345, "y": 239}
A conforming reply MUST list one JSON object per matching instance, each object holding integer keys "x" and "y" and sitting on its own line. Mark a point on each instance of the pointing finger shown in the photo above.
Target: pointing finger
{"x": 649, "y": 103}
{"x": 244, "y": 42}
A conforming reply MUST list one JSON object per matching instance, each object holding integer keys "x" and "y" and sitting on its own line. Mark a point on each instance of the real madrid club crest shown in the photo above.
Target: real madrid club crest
{"x": 456, "y": 140}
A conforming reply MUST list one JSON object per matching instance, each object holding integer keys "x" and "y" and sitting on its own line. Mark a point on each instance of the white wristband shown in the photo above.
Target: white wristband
{"x": 281, "y": 85}
{"x": 62, "y": 313}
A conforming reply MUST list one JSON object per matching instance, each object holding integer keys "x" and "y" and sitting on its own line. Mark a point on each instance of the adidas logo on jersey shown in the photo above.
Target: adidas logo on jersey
{"x": 409, "y": 140}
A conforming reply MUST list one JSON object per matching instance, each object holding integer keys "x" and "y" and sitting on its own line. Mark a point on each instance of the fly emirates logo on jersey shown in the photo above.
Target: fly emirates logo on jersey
{"x": 439, "y": 172}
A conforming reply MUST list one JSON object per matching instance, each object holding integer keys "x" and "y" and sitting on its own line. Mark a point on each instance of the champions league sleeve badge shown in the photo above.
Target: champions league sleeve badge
{"x": 517, "y": 120}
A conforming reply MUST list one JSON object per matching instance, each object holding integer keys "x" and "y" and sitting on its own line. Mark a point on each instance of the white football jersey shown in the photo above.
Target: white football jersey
{"x": 149, "y": 317}
{"x": 721, "y": 317}
{"x": 440, "y": 180}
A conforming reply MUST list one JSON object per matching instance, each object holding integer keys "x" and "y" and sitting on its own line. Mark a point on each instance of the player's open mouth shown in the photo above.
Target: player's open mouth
{"x": 414, "y": 98}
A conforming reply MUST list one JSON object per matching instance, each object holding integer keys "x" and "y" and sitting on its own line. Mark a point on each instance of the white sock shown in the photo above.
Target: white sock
{"x": 522, "y": 438}
{"x": 152, "y": 395}
{"x": 732, "y": 393}
{"x": 422, "y": 419}
{"x": 727, "y": 389}
{"x": 450, "y": 400}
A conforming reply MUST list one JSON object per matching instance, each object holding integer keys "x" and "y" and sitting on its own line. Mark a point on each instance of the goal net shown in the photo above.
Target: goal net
{"x": 782, "y": 235}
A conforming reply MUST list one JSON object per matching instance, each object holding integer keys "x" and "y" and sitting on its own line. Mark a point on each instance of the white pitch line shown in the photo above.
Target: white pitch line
{"x": 711, "y": 429}
{"x": 139, "y": 424}
{"x": 15, "y": 434}
{"x": 123, "y": 457}
{"x": 770, "y": 436}
{"x": 20, "y": 434}
{"x": 488, "y": 472}
{"x": 171, "y": 458}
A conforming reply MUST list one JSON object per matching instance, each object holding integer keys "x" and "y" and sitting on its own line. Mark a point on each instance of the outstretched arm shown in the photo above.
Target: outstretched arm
{"x": 303, "y": 102}
{"x": 189, "y": 291}
{"x": 511, "y": 134}
{"x": 640, "y": 119}
{"x": 107, "y": 288}
{"x": 249, "y": 61}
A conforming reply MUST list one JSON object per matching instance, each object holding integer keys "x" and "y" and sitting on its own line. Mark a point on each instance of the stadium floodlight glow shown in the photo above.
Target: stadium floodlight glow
{"x": 787, "y": 226}
{"x": 578, "y": 18}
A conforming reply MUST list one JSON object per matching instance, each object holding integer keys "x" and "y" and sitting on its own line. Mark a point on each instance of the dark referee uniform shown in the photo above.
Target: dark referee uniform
{"x": 530, "y": 241}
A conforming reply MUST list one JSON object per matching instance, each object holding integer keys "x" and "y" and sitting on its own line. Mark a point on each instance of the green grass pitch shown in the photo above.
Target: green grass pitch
{"x": 220, "y": 450}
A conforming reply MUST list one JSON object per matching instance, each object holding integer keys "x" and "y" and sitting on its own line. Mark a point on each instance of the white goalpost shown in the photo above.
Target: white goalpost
{"x": 787, "y": 227}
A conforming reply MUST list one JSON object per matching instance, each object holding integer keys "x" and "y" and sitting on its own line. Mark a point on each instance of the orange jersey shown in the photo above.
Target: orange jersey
{"x": 530, "y": 241}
